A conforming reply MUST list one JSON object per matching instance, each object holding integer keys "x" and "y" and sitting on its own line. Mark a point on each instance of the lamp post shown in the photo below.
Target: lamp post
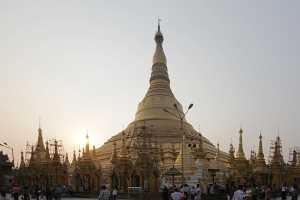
{"x": 4, "y": 144}
{"x": 180, "y": 116}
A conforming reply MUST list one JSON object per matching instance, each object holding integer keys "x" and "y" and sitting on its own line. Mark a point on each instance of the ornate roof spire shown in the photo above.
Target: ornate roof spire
{"x": 240, "y": 153}
{"x": 67, "y": 162}
{"x": 56, "y": 157}
{"x": 32, "y": 156}
{"x": 277, "y": 157}
{"x": 87, "y": 145}
{"x": 74, "y": 159}
{"x": 40, "y": 147}
{"x": 22, "y": 164}
{"x": 159, "y": 67}
{"x": 159, "y": 55}
{"x": 260, "y": 159}
{"x": 47, "y": 152}
{"x": 149, "y": 107}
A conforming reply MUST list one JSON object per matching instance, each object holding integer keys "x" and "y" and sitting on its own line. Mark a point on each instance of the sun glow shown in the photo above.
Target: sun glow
{"x": 80, "y": 139}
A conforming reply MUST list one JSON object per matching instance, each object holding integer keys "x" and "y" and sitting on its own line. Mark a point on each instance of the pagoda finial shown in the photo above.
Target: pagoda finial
{"x": 158, "y": 24}
{"x": 260, "y": 153}
{"x": 74, "y": 157}
{"x": 40, "y": 147}
{"x": 39, "y": 122}
{"x": 159, "y": 55}
{"x": 87, "y": 145}
{"x": 22, "y": 164}
{"x": 240, "y": 153}
{"x": 47, "y": 151}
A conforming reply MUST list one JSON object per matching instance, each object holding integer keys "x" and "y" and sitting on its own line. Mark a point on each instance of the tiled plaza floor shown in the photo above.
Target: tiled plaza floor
{"x": 121, "y": 198}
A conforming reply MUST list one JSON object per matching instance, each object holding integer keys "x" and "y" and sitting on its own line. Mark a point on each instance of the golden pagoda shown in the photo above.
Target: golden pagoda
{"x": 277, "y": 165}
{"x": 240, "y": 163}
{"x": 42, "y": 169}
{"x": 85, "y": 172}
{"x": 260, "y": 170}
{"x": 160, "y": 133}
{"x": 294, "y": 169}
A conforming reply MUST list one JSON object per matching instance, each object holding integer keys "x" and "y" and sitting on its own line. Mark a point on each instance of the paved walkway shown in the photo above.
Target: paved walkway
{"x": 124, "y": 198}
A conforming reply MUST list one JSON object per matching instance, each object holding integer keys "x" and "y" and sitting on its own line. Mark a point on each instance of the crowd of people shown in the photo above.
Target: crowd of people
{"x": 106, "y": 194}
{"x": 185, "y": 192}
{"x": 25, "y": 193}
{"x": 230, "y": 192}
{"x": 268, "y": 192}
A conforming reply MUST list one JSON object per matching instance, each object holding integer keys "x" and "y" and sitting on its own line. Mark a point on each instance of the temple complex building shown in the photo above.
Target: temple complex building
{"x": 239, "y": 165}
{"x": 159, "y": 147}
{"x": 85, "y": 172}
{"x": 260, "y": 170}
{"x": 277, "y": 166}
{"x": 6, "y": 171}
{"x": 158, "y": 139}
{"x": 44, "y": 167}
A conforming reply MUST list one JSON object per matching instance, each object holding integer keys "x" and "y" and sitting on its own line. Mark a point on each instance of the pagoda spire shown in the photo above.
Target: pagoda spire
{"x": 276, "y": 159}
{"x": 260, "y": 154}
{"x": 22, "y": 164}
{"x": 87, "y": 145}
{"x": 149, "y": 107}
{"x": 40, "y": 147}
{"x": 74, "y": 158}
{"x": 240, "y": 153}
{"x": 67, "y": 162}
{"x": 47, "y": 151}
{"x": 56, "y": 157}
{"x": 159, "y": 55}
{"x": 32, "y": 155}
{"x": 159, "y": 61}
{"x": 231, "y": 151}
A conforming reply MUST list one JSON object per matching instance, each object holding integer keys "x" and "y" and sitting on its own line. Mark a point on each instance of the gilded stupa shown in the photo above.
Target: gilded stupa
{"x": 154, "y": 136}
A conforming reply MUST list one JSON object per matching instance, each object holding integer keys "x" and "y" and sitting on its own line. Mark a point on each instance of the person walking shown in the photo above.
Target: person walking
{"x": 176, "y": 195}
{"x": 48, "y": 193}
{"x": 294, "y": 192}
{"x": 165, "y": 193}
{"x": 193, "y": 193}
{"x": 284, "y": 191}
{"x": 114, "y": 194}
{"x": 16, "y": 192}
{"x": 239, "y": 194}
{"x": 198, "y": 192}
{"x": 104, "y": 193}
{"x": 268, "y": 192}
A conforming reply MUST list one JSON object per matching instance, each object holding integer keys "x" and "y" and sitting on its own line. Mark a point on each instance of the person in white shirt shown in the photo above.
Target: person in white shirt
{"x": 198, "y": 192}
{"x": 114, "y": 194}
{"x": 239, "y": 194}
{"x": 176, "y": 195}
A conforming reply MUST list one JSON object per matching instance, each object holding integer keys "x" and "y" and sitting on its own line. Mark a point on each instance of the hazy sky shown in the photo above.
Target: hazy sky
{"x": 85, "y": 65}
